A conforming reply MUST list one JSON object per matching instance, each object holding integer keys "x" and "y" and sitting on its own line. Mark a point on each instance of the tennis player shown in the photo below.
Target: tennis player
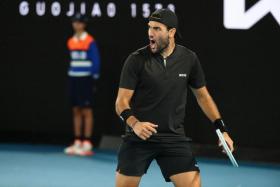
{"x": 151, "y": 101}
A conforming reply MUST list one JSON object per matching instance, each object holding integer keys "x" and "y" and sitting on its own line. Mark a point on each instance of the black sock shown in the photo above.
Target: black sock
{"x": 87, "y": 139}
{"x": 78, "y": 138}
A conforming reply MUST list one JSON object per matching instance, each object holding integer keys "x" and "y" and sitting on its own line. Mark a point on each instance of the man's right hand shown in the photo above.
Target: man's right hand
{"x": 144, "y": 130}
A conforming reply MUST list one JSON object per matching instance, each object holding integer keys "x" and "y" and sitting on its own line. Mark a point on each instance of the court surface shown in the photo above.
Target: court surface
{"x": 23, "y": 165}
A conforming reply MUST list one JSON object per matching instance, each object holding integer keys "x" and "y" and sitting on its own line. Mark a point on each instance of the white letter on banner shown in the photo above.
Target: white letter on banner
{"x": 71, "y": 10}
{"x": 158, "y": 6}
{"x": 83, "y": 8}
{"x": 111, "y": 10}
{"x": 133, "y": 10}
{"x": 146, "y": 10}
{"x": 40, "y": 8}
{"x": 96, "y": 10}
{"x": 55, "y": 8}
{"x": 171, "y": 7}
{"x": 236, "y": 17}
{"x": 23, "y": 8}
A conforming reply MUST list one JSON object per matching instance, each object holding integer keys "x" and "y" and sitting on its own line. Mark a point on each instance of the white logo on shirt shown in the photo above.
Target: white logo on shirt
{"x": 182, "y": 75}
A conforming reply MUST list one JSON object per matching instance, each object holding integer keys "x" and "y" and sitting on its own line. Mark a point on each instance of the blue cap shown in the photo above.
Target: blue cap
{"x": 79, "y": 18}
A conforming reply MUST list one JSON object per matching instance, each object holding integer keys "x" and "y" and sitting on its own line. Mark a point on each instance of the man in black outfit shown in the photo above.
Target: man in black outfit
{"x": 151, "y": 101}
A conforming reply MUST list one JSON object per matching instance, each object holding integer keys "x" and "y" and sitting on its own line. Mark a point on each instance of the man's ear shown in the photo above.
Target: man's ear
{"x": 172, "y": 32}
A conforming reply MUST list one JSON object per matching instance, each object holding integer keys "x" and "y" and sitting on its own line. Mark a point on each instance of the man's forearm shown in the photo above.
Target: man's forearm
{"x": 120, "y": 107}
{"x": 209, "y": 107}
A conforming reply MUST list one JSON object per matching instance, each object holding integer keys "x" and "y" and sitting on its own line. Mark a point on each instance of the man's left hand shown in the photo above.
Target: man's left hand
{"x": 228, "y": 141}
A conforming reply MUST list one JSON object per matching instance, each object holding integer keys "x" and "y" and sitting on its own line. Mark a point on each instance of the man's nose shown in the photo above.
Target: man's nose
{"x": 151, "y": 34}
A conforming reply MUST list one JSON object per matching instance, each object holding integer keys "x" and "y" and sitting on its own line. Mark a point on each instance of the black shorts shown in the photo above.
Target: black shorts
{"x": 81, "y": 91}
{"x": 134, "y": 158}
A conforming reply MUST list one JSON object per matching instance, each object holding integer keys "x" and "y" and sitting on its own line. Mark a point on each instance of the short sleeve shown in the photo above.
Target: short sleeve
{"x": 130, "y": 73}
{"x": 197, "y": 77}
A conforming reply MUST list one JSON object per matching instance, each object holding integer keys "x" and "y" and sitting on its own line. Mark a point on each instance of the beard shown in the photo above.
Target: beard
{"x": 160, "y": 45}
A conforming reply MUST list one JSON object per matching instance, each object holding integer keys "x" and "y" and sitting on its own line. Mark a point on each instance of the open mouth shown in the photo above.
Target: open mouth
{"x": 152, "y": 44}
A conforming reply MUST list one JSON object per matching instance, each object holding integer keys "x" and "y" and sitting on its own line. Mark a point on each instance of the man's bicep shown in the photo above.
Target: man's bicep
{"x": 197, "y": 77}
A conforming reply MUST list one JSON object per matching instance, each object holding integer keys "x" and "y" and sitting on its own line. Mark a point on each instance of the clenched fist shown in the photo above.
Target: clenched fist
{"x": 144, "y": 130}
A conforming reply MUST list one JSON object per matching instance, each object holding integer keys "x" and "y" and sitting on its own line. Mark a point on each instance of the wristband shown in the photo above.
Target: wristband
{"x": 126, "y": 114}
{"x": 219, "y": 124}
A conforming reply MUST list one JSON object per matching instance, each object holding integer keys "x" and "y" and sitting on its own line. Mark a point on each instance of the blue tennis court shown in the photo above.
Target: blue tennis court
{"x": 23, "y": 165}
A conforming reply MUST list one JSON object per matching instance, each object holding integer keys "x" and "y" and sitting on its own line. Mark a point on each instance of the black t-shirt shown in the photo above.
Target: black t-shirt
{"x": 160, "y": 89}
